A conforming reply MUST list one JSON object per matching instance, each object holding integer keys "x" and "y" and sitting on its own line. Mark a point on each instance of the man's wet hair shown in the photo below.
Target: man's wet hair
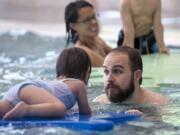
{"x": 134, "y": 58}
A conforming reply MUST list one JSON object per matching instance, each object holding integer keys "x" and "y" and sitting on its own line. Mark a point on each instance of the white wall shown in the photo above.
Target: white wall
{"x": 53, "y": 10}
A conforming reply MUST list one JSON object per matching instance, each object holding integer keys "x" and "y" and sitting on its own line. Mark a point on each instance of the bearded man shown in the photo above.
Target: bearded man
{"x": 123, "y": 69}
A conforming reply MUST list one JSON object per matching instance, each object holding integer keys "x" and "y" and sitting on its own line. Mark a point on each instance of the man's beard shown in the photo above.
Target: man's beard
{"x": 116, "y": 94}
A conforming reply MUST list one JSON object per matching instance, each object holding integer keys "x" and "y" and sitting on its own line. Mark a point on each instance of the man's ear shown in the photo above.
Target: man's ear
{"x": 138, "y": 75}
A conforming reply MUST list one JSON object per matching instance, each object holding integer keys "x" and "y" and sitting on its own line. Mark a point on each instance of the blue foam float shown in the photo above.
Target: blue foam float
{"x": 119, "y": 117}
{"x": 98, "y": 122}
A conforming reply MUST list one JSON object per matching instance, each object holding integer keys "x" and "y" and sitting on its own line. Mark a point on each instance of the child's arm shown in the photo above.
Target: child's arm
{"x": 82, "y": 100}
{"x": 79, "y": 89}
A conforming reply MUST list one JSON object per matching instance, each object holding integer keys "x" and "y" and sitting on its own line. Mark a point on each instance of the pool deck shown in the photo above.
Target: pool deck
{"x": 109, "y": 31}
{"x": 47, "y": 17}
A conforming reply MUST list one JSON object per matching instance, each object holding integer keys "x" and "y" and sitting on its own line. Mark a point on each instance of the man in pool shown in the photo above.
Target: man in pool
{"x": 142, "y": 27}
{"x": 40, "y": 98}
{"x": 122, "y": 79}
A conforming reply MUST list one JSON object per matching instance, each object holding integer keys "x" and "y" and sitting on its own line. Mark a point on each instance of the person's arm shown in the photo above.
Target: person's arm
{"x": 104, "y": 46}
{"x": 127, "y": 22}
{"x": 158, "y": 30}
{"x": 96, "y": 59}
{"x": 101, "y": 99}
{"x": 133, "y": 112}
{"x": 82, "y": 99}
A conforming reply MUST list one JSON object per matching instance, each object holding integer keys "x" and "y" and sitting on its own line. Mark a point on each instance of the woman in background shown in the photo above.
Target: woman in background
{"x": 82, "y": 30}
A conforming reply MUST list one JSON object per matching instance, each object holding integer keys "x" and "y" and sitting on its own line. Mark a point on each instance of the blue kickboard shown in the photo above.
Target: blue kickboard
{"x": 98, "y": 122}
{"x": 120, "y": 117}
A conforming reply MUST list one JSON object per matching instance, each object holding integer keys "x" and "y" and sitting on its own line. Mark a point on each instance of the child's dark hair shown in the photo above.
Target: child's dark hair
{"x": 73, "y": 62}
{"x": 71, "y": 16}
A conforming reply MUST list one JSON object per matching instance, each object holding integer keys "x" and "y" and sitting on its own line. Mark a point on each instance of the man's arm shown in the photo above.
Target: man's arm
{"x": 128, "y": 26}
{"x": 158, "y": 29}
{"x": 101, "y": 99}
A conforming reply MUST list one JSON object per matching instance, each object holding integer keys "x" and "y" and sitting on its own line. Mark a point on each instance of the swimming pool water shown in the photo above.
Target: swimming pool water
{"x": 26, "y": 55}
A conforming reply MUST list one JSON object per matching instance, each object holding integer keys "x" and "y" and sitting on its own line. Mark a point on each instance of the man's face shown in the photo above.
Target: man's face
{"x": 118, "y": 78}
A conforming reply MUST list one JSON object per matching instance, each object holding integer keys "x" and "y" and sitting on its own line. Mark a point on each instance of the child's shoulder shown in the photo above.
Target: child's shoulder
{"x": 74, "y": 84}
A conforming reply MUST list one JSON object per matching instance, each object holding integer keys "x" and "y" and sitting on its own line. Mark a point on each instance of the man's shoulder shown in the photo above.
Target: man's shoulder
{"x": 155, "y": 98}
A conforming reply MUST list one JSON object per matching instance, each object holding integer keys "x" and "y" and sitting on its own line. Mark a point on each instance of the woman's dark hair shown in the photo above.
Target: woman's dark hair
{"x": 71, "y": 16}
{"x": 73, "y": 62}
{"x": 134, "y": 58}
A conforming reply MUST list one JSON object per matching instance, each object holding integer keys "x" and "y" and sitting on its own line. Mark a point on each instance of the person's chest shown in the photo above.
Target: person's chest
{"x": 143, "y": 8}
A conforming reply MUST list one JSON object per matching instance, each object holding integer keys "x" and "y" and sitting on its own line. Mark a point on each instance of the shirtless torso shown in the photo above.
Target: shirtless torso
{"x": 142, "y": 13}
{"x": 139, "y": 17}
{"x": 139, "y": 14}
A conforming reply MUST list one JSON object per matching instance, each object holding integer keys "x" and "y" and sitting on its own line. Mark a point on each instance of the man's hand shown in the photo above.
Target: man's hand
{"x": 101, "y": 99}
{"x": 164, "y": 50}
{"x": 128, "y": 45}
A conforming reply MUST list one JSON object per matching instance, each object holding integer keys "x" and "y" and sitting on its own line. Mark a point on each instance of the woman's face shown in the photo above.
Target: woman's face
{"x": 87, "y": 24}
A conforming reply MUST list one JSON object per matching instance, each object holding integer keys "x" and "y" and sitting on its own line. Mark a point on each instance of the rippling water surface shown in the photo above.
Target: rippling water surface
{"x": 26, "y": 55}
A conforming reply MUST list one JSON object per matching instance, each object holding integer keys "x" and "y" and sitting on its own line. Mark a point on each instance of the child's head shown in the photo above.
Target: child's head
{"x": 74, "y": 63}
